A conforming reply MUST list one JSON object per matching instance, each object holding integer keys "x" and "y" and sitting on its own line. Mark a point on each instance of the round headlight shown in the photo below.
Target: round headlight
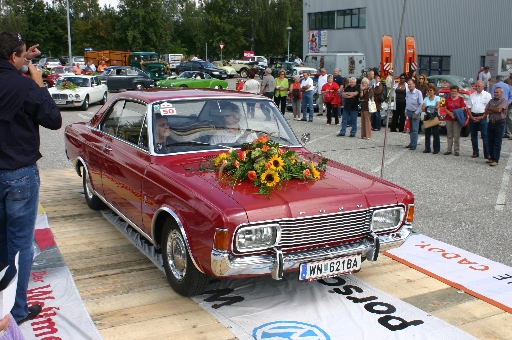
{"x": 70, "y": 96}
{"x": 77, "y": 96}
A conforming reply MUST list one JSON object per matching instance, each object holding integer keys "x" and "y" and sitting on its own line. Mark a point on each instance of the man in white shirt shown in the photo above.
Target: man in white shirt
{"x": 477, "y": 102}
{"x": 307, "y": 88}
{"x": 322, "y": 80}
{"x": 251, "y": 86}
{"x": 371, "y": 77}
{"x": 485, "y": 76}
{"x": 298, "y": 60}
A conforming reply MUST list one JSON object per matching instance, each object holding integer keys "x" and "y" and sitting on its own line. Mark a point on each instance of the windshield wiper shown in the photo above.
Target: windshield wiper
{"x": 187, "y": 143}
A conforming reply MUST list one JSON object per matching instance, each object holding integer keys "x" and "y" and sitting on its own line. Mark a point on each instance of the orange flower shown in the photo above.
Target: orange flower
{"x": 265, "y": 148}
{"x": 241, "y": 156}
{"x": 263, "y": 139}
{"x": 252, "y": 175}
{"x": 268, "y": 165}
{"x": 306, "y": 173}
{"x": 236, "y": 164}
{"x": 224, "y": 162}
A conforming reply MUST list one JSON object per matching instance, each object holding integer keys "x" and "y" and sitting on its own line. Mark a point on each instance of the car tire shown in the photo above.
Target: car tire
{"x": 85, "y": 104}
{"x": 91, "y": 199}
{"x": 104, "y": 99}
{"x": 181, "y": 273}
{"x": 218, "y": 87}
{"x": 139, "y": 86}
{"x": 46, "y": 84}
{"x": 183, "y": 85}
{"x": 180, "y": 72}
{"x": 244, "y": 73}
{"x": 465, "y": 131}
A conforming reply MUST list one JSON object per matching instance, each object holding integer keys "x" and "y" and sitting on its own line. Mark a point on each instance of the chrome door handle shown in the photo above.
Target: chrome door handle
{"x": 107, "y": 148}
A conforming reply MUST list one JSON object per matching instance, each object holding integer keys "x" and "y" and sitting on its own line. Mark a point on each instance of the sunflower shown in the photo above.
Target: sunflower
{"x": 314, "y": 171}
{"x": 219, "y": 158}
{"x": 270, "y": 178}
{"x": 277, "y": 163}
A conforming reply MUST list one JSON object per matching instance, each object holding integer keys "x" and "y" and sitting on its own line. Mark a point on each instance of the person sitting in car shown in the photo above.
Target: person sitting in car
{"x": 232, "y": 132}
{"x": 161, "y": 134}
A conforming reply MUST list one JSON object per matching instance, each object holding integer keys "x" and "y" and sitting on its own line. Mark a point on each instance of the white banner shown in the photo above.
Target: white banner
{"x": 485, "y": 279}
{"x": 334, "y": 308}
{"x": 64, "y": 315}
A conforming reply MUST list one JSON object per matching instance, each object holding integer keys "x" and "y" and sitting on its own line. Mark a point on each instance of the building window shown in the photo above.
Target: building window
{"x": 434, "y": 65}
{"x": 322, "y": 20}
{"x": 351, "y": 18}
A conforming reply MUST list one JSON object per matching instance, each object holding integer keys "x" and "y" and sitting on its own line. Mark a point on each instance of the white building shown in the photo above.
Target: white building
{"x": 451, "y": 36}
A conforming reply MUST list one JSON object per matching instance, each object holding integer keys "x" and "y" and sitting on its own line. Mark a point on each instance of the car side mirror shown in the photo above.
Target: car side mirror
{"x": 305, "y": 137}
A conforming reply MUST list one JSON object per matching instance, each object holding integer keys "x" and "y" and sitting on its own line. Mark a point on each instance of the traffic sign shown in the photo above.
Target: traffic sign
{"x": 221, "y": 46}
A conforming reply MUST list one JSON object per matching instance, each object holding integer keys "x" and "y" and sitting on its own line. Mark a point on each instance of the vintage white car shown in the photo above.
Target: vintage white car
{"x": 78, "y": 91}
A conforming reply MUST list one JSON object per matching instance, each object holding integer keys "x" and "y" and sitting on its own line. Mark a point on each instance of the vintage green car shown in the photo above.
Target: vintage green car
{"x": 230, "y": 70}
{"x": 150, "y": 63}
{"x": 193, "y": 79}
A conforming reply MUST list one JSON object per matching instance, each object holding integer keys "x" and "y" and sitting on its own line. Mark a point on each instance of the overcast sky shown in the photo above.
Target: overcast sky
{"x": 112, "y": 3}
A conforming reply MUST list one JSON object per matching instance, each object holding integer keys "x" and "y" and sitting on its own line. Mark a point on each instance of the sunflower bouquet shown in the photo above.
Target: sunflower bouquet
{"x": 265, "y": 164}
{"x": 67, "y": 85}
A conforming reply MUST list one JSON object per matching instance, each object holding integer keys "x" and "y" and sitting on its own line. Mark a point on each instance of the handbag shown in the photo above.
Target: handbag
{"x": 431, "y": 122}
{"x": 372, "y": 107}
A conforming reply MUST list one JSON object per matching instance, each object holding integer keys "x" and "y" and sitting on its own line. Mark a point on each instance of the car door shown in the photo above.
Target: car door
{"x": 126, "y": 157}
{"x": 94, "y": 95}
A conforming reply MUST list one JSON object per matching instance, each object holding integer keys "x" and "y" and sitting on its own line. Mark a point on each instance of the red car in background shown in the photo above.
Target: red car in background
{"x": 56, "y": 73}
{"x": 443, "y": 94}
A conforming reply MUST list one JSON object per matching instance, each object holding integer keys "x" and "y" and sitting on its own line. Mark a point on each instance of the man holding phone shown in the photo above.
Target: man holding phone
{"x": 24, "y": 105}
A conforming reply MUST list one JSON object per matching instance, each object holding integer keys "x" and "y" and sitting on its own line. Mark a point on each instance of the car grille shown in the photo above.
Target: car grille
{"x": 323, "y": 229}
{"x": 61, "y": 96}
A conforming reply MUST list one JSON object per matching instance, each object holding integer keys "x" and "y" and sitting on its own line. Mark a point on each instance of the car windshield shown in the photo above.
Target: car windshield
{"x": 207, "y": 64}
{"x": 463, "y": 83}
{"x": 189, "y": 125}
{"x": 106, "y": 72}
{"x": 78, "y": 81}
{"x": 149, "y": 57}
{"x": 52, "y": 60}
{"x": 186, "y": 74}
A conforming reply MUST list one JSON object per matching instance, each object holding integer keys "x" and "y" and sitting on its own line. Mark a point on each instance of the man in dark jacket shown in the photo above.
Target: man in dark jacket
{"x": 24, "y": 105}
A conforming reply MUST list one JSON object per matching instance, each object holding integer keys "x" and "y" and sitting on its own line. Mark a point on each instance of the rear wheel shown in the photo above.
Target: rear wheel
{"x": 183, "y": 85}
{"x": 139, "y": 86}
{"x": 91, "y": 199}
{"x": 46, "y": 84}
{"x": 85, "y": 104}
{"x": 218, "y": 87}
{"x": 244, "y": 73}
{"x": 181, "y": 273}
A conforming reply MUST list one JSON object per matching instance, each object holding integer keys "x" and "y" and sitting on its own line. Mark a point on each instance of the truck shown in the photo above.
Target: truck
{"x": 120, "y": 57}
{"x": 173, "y": 60}
{"x": 499, "y": 61}
{"x": 350, "y": 64}
{"x": 150, "y": 63}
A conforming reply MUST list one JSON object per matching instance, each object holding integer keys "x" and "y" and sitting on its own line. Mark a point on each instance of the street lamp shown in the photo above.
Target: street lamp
{"x": 289, "y": 29}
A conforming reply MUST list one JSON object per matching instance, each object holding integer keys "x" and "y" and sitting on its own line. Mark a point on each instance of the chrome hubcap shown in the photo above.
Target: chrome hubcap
{"x": 176, "y": 255}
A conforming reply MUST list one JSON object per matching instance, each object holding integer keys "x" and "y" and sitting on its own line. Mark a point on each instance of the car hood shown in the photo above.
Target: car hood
{"x": 78, "y": 90}
{"x": 340, "y": 188}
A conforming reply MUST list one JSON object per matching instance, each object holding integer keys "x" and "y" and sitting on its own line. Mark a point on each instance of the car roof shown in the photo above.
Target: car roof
{"x": 157, "y": 94}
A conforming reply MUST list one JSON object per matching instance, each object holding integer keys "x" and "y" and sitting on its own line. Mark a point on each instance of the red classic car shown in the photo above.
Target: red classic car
{"x": 56, "y": 73}
{"x": 148, "y": 155}
{"x": 443, "y": 94}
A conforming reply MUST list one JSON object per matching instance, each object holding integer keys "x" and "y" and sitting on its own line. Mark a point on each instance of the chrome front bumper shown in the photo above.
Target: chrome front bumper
{"x": 224, "y": 264}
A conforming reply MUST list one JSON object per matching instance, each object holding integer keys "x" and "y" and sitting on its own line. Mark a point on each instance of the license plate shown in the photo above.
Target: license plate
{"x": 60, "y": 101}
{"x": 333, "y": 267}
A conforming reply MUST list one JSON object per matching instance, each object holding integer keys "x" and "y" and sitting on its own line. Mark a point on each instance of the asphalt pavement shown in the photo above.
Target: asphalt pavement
{"x": 459, "y": 200}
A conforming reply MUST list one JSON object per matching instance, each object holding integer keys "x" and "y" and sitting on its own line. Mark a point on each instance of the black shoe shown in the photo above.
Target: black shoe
{"x": 352, "y": 135}
{"x": 426, "y": 151}
{"x": 33, "y": 311}
{"x": 340, "y": 135}
{"x": 310, "y": 121}
{"x": 319, "y": 114}
{"x": 435, "y": 152}
{"x": 412, "y": 148}
{"x": 408, "y": 147}
{"x": 303, "y": 120}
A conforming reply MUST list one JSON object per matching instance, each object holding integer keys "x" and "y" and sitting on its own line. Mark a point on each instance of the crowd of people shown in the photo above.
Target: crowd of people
{"x": 413, "y": 100}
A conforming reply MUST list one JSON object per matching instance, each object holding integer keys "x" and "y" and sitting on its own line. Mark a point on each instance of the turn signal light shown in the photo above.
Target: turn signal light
{"x": 410, "y": 214}
{"x": 221, "y": 241}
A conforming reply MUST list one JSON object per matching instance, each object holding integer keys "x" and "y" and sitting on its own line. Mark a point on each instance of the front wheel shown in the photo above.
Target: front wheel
{"x": 139, "y": 86}
{"x": 85, "y": 104}
{"x": 218, "y": 87}
{"x": 244, "y": 73}
{"x": 104, "y": 99}
{"x": 181, "y": 273}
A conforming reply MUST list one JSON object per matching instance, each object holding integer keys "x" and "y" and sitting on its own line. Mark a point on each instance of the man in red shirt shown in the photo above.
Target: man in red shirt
{"x": 496, "y": 109}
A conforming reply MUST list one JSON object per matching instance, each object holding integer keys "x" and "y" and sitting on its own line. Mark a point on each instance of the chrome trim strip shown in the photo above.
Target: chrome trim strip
{"x": 223, "y": 264}
{"x": 182, "y": 229}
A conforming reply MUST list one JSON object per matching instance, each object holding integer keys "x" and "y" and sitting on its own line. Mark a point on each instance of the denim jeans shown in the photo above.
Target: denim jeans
{"x": 415, "y": 125}
{"x": 434, "y": 132}
{"x": 19, "y": 196}
{"x": 307, "y": 99}
{"x": 376, "y": 121}
{"x": 474, "y": 128}
{"x": 495, "y": 135}
{"x": 349, "y": 117}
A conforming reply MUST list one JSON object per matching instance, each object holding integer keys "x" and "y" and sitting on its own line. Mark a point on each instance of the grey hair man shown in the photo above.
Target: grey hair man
{"x": 496, "y": 109}
{"x": 476, "y": 104}
{"x": 322, "y": 80}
